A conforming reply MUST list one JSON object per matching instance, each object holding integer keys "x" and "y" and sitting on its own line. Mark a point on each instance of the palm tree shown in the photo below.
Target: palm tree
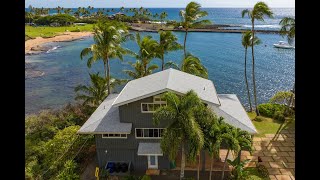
{"x": 94, "y": 95}
{"x": 163, "y": 15}
{"x": 247, "y": 42}
{"x": 148, "y": 49}
{"x": 288, "y": 28}
{"x": 58, "y": 9}
{"x": 231, "y": 143}
{"x": 141, "y": 9}
{"x": 190, "y": 18}
{"x": 236, "y": 140}
{"x": 214, "y": 139}
{"x": 156, "y": 15}
{"x": 207, "y": 121}
{"x": 67, "y": 11}
{"x": 168, "y": 42}
{"x": 191, "y": 65}
{"x": 31, "y": 9}
{"x": 139, "y": 71}
{"x": 108, "y": 37}
{"x": 183, "y": 132}
{"x": 258, "y": 12}
{"x": 29, "y": 15}
{"x": 122, "y": 9}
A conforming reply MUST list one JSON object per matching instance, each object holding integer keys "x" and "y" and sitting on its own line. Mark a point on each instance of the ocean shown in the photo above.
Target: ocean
{"x": 221, "y": 53}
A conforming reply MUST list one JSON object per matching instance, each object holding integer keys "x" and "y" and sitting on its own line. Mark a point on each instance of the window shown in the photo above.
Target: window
{"x": 114, "y": 135}
{"x": 159, "y": 99}
{"x": 155, "y": 133}
{"x": 150, "y": 107}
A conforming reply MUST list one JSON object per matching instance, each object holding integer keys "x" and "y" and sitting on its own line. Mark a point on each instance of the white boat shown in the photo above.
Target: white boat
{"x": 283, "y": 45}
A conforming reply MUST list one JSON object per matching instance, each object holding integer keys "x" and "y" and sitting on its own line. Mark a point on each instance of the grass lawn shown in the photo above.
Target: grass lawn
{"x": 47, "y": 31}
{"x": 266, "y": 125}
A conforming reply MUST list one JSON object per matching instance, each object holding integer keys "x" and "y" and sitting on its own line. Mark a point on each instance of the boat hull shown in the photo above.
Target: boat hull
{"x": 283, "y": 47}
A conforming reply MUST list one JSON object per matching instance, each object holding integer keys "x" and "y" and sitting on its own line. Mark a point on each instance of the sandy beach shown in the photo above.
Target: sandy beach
{"x": 32, "y": 44}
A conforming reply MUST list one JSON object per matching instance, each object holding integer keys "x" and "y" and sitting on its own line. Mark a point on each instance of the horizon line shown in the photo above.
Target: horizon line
{"x": 153, "y": 7}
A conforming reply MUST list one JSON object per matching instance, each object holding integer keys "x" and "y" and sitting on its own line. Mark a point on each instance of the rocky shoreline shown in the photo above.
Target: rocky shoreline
{"x": 30, "y": 71}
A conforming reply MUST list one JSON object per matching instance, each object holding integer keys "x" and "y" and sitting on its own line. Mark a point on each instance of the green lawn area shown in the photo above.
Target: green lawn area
{"x": 266, "y": 126}
{"x": 47, "y": 31}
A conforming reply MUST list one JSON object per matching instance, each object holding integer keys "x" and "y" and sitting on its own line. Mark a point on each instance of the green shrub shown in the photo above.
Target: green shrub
{"x": 278, "y": 115}
{"x": 259, "y": 118}
{"x": 88, "y": 21}
{"x": 75, "y": 30}
{"x": 61, "y": 19}
{"x": 269, "y": 109}
{"x": 263, "y": 171}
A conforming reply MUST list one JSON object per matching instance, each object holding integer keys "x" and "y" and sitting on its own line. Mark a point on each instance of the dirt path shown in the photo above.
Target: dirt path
{"x": 88, "y": 173}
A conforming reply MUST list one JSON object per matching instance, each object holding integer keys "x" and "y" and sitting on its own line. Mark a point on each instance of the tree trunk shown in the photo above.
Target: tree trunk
{"x": 245, "y": 76}
{"x": 183, "y": 161}
{"x": 224, "y": 165}
{"x": 162, "y": 59}
{"x": 108, "y": 75}
{"x": 211, "y": 166}
{"x": 145, "y": 68}
{"x": 253, "y": 75}
{"x": 198, "y": 173}
{"x": 184, "y": 43}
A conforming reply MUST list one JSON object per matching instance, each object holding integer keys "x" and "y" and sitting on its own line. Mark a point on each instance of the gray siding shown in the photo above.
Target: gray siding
{"x": 126, "y": 149}
{"x": 131, "y": 113}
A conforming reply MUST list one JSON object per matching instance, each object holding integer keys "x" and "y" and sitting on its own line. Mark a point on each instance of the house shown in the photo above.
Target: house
{"x": 123, "y": 125}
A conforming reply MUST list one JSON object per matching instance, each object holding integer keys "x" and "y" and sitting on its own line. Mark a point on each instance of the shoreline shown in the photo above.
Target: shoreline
{"x": 213, "y": 30}
{"x": 33, "y": 46}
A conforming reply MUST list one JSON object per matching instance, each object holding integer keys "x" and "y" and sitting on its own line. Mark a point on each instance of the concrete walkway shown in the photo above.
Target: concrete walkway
{"x": 277, "y": 154}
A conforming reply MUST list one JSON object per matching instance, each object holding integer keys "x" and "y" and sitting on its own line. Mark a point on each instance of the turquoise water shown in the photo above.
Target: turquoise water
{"x": 221, "y": 53}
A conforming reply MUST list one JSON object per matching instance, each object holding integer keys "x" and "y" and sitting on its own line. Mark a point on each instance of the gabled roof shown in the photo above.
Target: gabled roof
{"x": 105, "y": 119}
{"x": 167, "y": 80}
{"x": 234, "y": 113}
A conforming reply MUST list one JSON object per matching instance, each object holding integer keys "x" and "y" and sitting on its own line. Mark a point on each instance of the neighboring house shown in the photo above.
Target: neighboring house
{"x": 123, "y": 125}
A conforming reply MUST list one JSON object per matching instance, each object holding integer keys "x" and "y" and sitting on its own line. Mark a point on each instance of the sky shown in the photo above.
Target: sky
{"x": 154, "y": 3}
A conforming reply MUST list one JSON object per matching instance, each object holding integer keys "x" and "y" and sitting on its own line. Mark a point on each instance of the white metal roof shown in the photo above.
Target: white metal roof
{"x": 167, "y": 80}
{"x": 105, "y": 119}
{"x": 234, "y": 113}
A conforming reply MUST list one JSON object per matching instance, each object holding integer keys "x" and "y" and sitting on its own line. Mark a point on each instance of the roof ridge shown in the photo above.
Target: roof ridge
{"x": 168, "y": 78}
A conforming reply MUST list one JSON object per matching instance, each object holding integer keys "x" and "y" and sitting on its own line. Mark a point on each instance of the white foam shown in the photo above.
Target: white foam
{"x": 54, "y": 48}
{"x": 273, "y": 26}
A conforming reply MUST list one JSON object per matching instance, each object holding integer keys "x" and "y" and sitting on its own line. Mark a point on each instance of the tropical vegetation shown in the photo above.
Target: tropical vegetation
{"x": 53, "y": 149}
{"x": 191, "y": 65}
{"x": 184, "y": 131}
{"x": 258, "y": 12}
{"x": 288, "y": 28}
{"x": 108, "y": 37}
{"x": 168, "y": 42}
{"x": 247, "y": 42}
{"x": 94, "y": 95}
{"x": 190, "y": 17}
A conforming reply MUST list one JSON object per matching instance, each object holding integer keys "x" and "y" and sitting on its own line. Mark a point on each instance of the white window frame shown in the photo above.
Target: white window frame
{"x": 135, "y": 132}
{"x": 107, "y": 137}
{"x": 160, "y": 103}
{"x": 161, "y": 100}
